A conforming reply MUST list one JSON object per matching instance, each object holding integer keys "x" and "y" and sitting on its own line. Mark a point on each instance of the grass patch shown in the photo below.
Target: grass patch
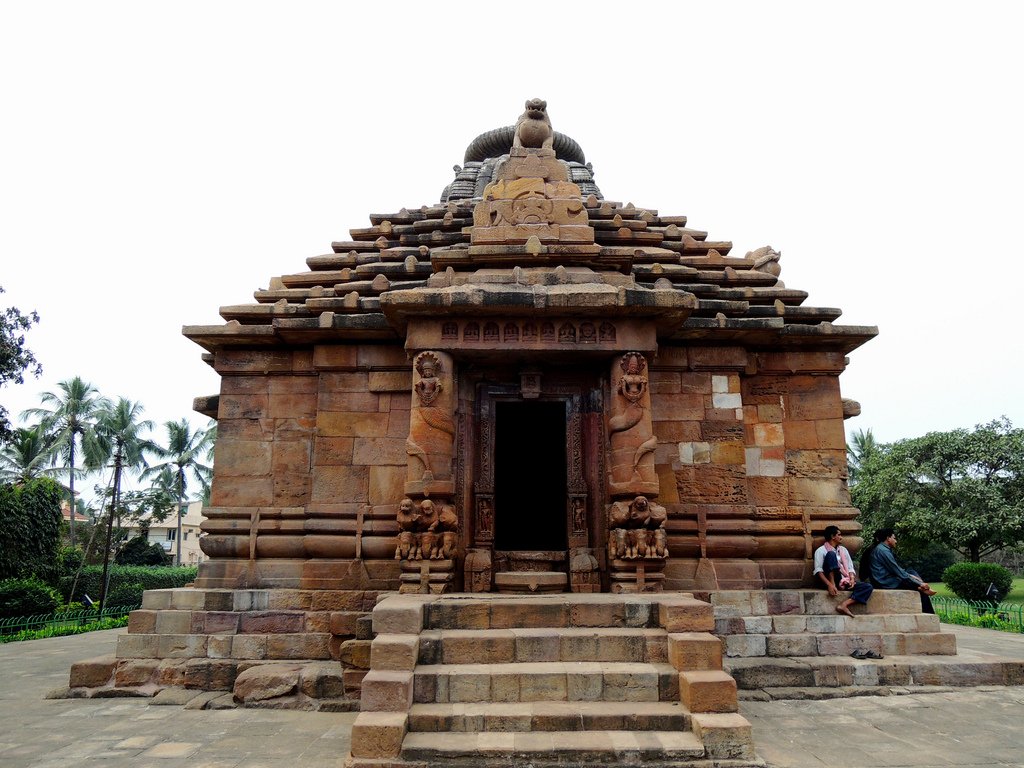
{"x": 67, "y": 629}
{"x": 1016, "y": 591}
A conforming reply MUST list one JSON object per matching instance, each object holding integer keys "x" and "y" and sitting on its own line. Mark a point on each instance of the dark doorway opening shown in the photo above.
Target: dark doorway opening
{"x": 529, "y": 476}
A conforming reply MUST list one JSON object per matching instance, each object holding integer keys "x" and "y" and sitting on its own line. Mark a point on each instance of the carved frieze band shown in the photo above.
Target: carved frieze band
{"x": 529, "y": 332}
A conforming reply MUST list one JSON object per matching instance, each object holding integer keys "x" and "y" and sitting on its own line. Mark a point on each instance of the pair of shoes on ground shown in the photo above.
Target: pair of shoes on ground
{"x": 861, "y": 654}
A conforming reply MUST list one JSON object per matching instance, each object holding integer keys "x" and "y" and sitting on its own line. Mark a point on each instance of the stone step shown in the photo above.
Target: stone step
{"x": 545, "y": 681}
{"x": 220, "y": 600}
{"x": 838, "y": 671}
{"x": 553, "y": 611}
{"x": 550, "y": 716}
{"x": 836, "y": 644}
{"x": 305, "y": 645}
{"x": 494, "y": 646}
{"x": 562, "y": 748}
{"x": 808, "y": 602}
{"x": 833, "y": 623}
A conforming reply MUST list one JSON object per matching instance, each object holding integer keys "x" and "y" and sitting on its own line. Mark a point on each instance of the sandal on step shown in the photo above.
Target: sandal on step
{"x": 859, "y": 654}
{"x": 873, "y": 655}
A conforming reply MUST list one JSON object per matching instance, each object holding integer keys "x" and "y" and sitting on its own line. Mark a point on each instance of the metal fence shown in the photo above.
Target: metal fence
{"x": 980, "y": 613}
{"x": 15, "y": 624}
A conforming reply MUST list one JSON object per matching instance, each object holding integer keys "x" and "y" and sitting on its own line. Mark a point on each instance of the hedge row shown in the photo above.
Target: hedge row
{"x": 124, "y": 580}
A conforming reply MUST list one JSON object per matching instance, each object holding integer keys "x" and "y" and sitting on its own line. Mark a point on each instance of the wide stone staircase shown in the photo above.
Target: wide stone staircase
{"x": 570, "y": 680}
{"x": 792, "y": 643}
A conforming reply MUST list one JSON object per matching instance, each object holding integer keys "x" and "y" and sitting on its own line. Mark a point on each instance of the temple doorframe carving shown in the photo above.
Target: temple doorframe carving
{"x": 579, "y": 507}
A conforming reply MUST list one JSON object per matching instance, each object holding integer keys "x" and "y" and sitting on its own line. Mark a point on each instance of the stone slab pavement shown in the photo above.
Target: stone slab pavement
{"x": 961, "y": 727}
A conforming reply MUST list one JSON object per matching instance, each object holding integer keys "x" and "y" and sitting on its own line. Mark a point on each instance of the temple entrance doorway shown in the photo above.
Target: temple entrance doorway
{"x": 530, "y": 489}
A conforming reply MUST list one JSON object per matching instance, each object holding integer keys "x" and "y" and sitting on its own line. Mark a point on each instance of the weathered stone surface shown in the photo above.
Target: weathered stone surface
{"x": 378, "y": 734}
{"x": 92, "y": 673}
{"x": 266, "y": 681}
{"x": 707, "y": 691}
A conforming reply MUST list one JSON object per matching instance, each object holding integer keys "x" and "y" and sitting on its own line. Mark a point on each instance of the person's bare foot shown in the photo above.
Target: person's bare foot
{"x": 930, "y": 592}
{"x": 844, "y": 610}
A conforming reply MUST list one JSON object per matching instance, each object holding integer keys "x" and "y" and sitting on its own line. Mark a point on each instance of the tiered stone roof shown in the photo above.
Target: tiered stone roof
{"x": 362, "y": 290}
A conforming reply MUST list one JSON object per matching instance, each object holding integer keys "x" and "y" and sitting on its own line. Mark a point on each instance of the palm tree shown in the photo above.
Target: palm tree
{"x": 118, "y": 438}
{"x": 68, "y": 415}
{"x": 183, "y": 456}
{"x": 26, "y": 456}
{"x": 861, "y": 447}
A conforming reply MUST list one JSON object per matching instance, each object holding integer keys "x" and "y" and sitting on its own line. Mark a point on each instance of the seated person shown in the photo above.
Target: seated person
{"x": 833, "y": 567}
{"x": 879, "y": 562}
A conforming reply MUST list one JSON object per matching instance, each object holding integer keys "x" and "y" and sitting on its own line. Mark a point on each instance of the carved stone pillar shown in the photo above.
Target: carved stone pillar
{"x": 428, "y": 539}
{"x": 636, "y": 523}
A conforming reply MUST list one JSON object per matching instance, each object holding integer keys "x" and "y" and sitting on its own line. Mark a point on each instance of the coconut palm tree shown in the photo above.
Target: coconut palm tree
{"x": 117, "y": 440}
{"x": 26, "y": 456}
{"x": 68, "y": 415}
{"x": 183, "y": 456}
{"x": 861, "y": 447}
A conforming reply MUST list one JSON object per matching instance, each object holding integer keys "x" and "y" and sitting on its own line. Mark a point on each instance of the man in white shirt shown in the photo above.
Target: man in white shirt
{"x": 833, "y": 568}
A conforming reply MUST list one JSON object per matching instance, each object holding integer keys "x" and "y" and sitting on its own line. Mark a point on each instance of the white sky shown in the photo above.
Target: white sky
{"x": 159, "y": 160}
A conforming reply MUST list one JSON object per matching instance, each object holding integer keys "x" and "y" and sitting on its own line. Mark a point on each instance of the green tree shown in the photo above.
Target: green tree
{"x": 69, "y": 414}
{"x": 183, "y": 457}
{"x": 29, "y": 528}
{"x": 118, "y": 439}
{"x": 15, "y": 357}
{"x": 963, "y": 489}
{"x": 26, "y": 456}
{"x": 861, "y": 447}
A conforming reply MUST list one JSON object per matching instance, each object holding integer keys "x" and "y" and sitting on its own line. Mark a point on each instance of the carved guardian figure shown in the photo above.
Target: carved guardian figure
{"x": 533, "y": 128}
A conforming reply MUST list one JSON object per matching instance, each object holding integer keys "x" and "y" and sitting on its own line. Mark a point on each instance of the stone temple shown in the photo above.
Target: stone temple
{"x": 527, "y": 476}
{"x": 526, "y": 387}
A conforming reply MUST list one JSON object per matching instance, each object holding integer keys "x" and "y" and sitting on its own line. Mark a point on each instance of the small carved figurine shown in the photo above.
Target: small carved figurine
{"x": 633, "y": 382}
{"x": 429, "y": 386}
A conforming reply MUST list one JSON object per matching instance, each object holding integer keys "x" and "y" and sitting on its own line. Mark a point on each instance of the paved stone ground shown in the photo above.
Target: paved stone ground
{"x": 968, "y": 727}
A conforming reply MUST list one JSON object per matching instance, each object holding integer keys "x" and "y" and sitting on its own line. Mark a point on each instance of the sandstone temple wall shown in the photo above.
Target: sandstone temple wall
{"x": 751, "y": 461}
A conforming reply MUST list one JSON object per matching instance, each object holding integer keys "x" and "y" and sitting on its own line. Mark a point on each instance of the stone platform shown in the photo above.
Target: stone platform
{"x": 566, "y": 680}
{"x": 792, "y": 643}
{"x": 301, "y": 649}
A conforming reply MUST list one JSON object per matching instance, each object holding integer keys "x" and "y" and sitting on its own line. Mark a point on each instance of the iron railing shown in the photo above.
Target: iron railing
{"x": 980, "y": 613}
{"x": 15, "y": 624}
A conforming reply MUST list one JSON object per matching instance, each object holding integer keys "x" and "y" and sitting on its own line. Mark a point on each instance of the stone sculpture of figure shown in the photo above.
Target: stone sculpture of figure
{"x": 429, "y": 386}
{"x": 446, "y": 520}
{"x": 449, "y": 543}
{"x": 633, "y": 382}
{"x": 428, "y": 516}
{"x": 408, "y": 524}
{"x": 533, "y": 128}
{"x": 637, "y": 529}
{"x": 406, "y": 549}
{"x": 429, "y": 546}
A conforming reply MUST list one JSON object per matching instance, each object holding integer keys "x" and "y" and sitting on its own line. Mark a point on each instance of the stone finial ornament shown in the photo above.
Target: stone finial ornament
{"x": 533, "y": 128}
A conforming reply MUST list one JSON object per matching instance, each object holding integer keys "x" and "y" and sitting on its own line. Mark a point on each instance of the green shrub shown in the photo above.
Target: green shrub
{"x": 139, "y": 551}
{"x": 124, "y": 594}
{"x": 91, "y": 579}
{"x": 26, "y": 597}
{"x": 930, "y": 562}
{"x": 69, "y": 559}
{"x": 970, "y": 581}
